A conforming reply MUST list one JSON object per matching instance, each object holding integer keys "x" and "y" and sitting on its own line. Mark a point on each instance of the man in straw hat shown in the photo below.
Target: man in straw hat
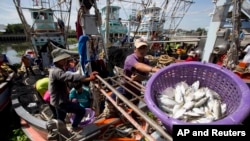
{"x": 136, "y": 67}
{"x": 59, "y": 97}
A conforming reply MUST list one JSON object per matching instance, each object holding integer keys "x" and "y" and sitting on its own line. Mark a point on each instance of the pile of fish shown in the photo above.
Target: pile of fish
{"x": 192, "y": 103}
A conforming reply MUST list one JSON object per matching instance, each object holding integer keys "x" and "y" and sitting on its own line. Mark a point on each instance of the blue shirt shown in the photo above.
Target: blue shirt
{"x": 83, "y": 98}
{"x": 242, "y": 35}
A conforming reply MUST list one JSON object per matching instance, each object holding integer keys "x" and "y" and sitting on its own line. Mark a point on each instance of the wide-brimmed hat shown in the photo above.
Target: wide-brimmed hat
{"x": 191, "y": 53}
{"x": 58, "y": 54}
{"x": 140, "y": 42}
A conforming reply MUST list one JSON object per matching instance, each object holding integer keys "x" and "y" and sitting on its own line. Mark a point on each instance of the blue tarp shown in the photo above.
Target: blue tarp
{"x": 82, "y": 49}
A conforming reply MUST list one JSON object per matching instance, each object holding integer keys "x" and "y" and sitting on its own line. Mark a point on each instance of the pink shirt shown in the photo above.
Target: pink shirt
{"x": 46, "y": 97}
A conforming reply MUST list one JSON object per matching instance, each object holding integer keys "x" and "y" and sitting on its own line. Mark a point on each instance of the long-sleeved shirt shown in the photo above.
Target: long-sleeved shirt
{"x": 58, "y": 86}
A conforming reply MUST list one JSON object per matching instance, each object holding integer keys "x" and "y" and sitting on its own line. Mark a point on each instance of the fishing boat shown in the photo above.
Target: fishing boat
{"x": 6, "y": 77}
{"x": 150, "y": 22}
{"x": 36, "y": 115}
{"x": 48, "y": 22}
{"x": 116, "y": 30}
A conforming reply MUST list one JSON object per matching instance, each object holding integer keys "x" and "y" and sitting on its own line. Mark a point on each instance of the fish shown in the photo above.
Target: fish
{"x": 179, "y": 96}
{"x": 166, "y": 109}
{"x": 217, "y": 109}
{"x": 192, "y": 103}
{"x": 199, "y": 110}
{"x": 170, "y": 91}
{"x": 196, "y": 85}
{"x": 165, "y": 100}
{"x": 188, "y": 105}
{"x": 201, "y": 102}
{"x": 179, "y": 113}
{"x": 200, "y": 93}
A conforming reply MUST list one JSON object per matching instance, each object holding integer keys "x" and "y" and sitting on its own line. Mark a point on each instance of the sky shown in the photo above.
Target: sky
{"x": 196, "y": 17}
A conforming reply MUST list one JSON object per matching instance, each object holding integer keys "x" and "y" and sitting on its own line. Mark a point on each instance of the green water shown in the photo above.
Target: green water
{"x": 21, "y": 47}
{"x": 18, "y": 47}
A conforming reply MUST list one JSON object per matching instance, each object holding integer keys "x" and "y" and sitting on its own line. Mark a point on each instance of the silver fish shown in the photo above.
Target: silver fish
{"x": 188, "y": 105}
{"x": 192, "y": 103}
{"x": 199, "y": 110}
{"x": 223, "y": 108}
{"x": 166, "y": 108}
{"x": 200, "y": 93}
{"x": 217, "y": 109}
{"x": 166, "y": 101}
{"x": 201, "y": 102}
{"x": 192, "y": 114}
{"x": 176, "y": 108}
{"x": 212, "y": 94}
{"x": 196, "y": 85}
{"x": 179, "y": 96}
{"x": 170, "y": 92}
{"x": 179, "y": 113}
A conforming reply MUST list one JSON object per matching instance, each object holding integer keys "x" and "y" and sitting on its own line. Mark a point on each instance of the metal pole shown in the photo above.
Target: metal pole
{"x": 236, "y": 28}
{"x": 107, "y": 22}
{"x": 135, "y": 108}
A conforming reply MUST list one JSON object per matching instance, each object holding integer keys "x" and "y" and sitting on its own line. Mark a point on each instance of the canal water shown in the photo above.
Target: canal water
{"x": 14, "y": 58}
{"x": 12, "y": 55}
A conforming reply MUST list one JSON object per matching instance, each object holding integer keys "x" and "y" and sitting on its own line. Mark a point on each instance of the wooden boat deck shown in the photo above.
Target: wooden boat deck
{"x": 35, "y": 127}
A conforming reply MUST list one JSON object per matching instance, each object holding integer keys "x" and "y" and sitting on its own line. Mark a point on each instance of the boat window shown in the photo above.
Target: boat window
{"x": 51, "y": 16}
{"x": 42, "y": 16}
{"x": 116, "y": 24}
{"x": 35, "y": 15}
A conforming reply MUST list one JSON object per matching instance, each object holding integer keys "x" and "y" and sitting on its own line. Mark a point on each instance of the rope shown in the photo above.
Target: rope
{"x": 230, "y": 59}
{"x": 122, "y": 130}
{"x": 109, "y": 132}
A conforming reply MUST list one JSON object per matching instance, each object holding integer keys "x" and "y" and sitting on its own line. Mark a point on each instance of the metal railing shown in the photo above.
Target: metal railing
{"x": 110, "y": 84}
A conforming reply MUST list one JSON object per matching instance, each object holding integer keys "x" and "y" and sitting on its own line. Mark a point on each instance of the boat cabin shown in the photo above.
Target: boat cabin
{"x": 43, "y": 20}
{"x": 116, "y": 29}
{"x": 150, "y": 22}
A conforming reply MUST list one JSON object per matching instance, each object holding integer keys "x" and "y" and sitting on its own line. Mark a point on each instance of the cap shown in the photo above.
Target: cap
{"x": 140, "y": 42}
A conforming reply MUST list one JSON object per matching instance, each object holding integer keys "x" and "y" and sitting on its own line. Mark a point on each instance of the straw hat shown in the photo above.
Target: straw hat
{"x": 58, "y": 54}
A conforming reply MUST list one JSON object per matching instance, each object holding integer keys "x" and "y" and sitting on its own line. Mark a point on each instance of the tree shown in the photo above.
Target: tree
{"x": 14, "y": 29}
{"x": 201, "y": 31}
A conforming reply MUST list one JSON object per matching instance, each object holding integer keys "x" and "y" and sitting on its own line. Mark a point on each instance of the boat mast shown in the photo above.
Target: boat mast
{"x": 232, "y": 58}
{"x": 107, "y": 22}
{"x": 23, "y": 20}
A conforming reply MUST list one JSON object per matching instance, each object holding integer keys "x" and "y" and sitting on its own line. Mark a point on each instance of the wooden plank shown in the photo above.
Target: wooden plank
{"x": 31, "y": 132}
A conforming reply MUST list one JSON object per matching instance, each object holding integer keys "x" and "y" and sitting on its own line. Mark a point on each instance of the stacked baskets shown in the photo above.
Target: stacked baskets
{"x": 233, "y": 91}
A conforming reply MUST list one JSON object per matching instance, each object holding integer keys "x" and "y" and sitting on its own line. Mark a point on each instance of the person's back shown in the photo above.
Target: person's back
{"x": 26, "y": 61}
{"x": 42, "y": 85}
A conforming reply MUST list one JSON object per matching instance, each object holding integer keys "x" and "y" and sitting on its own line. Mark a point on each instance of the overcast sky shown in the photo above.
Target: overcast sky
{"x": 197, "y": 15}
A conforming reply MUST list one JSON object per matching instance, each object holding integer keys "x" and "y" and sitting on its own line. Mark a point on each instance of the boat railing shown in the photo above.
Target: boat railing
{"x": 110, "y": 84}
